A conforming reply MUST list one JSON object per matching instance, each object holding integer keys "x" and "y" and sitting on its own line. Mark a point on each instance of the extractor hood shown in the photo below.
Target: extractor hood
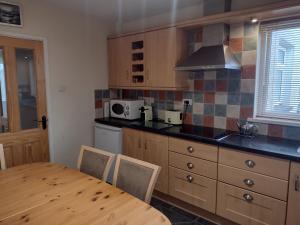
{"x": 213, "y": 54}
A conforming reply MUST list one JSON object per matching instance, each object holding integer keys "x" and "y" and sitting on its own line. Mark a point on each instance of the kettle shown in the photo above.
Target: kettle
{"x": 247, "y": 129}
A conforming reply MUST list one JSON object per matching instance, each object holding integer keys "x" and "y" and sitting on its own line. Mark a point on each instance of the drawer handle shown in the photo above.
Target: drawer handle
{"x": 190, "y": 149}
{"x": 249, "y": 182}
{"x": 189, "y": 178}
{"x": 190, "y": 165}
{"x": 297, "y": 184}
{"x": 248, "y": 197}
{"x": 250, "y": 163}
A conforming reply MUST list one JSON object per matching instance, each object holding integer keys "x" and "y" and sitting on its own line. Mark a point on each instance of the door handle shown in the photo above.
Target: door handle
{"x": 43, "y": 121}
{"x": 297, "y": 184}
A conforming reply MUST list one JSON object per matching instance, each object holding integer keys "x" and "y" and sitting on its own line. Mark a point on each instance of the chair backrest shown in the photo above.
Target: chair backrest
{"x": 135, "y": 177}
{"x": 2, "y": 158}
{"x": 95, "y": 162}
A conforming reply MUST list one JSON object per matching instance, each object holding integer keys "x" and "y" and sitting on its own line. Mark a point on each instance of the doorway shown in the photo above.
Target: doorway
{"x": 23, "y": 106}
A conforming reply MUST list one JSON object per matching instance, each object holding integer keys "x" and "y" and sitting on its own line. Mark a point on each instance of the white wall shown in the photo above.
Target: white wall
{"x": 192, "y": 12}
{"x": 76, "y": 64}
{"x": 161, "y": 19}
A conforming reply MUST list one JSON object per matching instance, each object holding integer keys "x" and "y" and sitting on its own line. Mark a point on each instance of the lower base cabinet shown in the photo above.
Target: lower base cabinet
{"x": 293, "y": 212}
{"x": 246, "y": 207}
{"x": 149, "y": 147}
{"x": 197, "y": 190}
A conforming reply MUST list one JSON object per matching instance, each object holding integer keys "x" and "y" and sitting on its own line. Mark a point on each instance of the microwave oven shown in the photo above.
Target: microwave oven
{"x": 126, "y": 109}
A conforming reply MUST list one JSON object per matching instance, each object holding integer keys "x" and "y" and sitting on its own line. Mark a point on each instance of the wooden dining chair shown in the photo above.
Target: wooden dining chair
{"x": 95, "y": 162}
{"x": 2, "y": 158}
{"x": 135, "y": 177}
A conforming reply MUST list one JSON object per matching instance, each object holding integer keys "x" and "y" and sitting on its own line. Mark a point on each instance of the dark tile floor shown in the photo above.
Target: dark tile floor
{"x": 178, "y": 216}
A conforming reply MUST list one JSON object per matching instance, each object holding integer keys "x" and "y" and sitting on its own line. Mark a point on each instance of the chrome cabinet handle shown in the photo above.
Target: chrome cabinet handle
{"x": 248, "y": 197}
{"x": 250, "y": 163}
{"x": 190, "y": 149}
{"x": 249, "y": 182}
{"x": 190, "y": 165}
{"x": 189, "y": 178}
{"x": 297, "y": 184}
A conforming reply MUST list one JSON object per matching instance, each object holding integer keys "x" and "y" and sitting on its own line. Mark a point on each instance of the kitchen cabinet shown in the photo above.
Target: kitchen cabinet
{"x": 243, "y": 187}
{"x": 164, "y": 49}
{"x": 197, "y": 190}
{"x": 252, "y": 189}
{"x": 156, "y": 152}
{"x": 246, "y": 207}
{"x": 133, "y": 143}
{"x": 118, "y": 62}
{"x": 148, "y": 60}
{"x": 193, "y": 173}
{"x": 151, "y": 148}
{"x": 293, "y": 215}
{"x": 269, "y": 166}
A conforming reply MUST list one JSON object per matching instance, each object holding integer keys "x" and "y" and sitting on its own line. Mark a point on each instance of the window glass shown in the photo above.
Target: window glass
{"x": 3, "y": 96}
{"x": 278, "y": 94}
{"x": 26, "y": 76}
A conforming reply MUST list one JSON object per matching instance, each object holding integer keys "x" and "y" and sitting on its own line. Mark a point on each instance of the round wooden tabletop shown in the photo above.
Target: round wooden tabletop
{"x": 44, "y": 193}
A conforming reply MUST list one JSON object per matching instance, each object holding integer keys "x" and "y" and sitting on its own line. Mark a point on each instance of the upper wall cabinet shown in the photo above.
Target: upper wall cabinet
{"x": 147, "y": 60}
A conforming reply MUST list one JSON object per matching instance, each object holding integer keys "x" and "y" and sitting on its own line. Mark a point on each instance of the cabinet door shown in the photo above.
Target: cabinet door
{"x": 113, "y": 62}
{"x": 156, "y": 152}
{"x": 137, "y": 61}
{"x": 124, "y": 57}
{"x": 133, "y": 143}
{"x": 160, "y": 58}
{"x": 192, "y": 188}
{"x": 293, "y": 215}
{"x": 118, "y": 62}
{"x": 247, "y": 207}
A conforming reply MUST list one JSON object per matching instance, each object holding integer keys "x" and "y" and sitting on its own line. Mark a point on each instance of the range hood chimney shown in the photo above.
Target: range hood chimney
{"x": 214, "y": 53}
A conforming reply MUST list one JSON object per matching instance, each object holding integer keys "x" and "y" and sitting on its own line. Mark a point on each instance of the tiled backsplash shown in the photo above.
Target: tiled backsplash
{"x": 220, "y": 98}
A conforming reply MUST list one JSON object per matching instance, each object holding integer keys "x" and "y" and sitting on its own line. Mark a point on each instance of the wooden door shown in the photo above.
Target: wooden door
{"x": 23, "y": 101}
{"x": 133, "y": 143}
{"x": 156, "y": 152}
{"x": 293, "y": 215}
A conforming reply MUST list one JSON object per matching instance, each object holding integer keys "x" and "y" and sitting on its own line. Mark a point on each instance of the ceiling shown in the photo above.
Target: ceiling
{"x": 124, "y": 10}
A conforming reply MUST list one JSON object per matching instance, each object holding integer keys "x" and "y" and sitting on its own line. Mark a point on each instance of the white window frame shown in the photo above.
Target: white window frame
{"x": 262, "y": 50}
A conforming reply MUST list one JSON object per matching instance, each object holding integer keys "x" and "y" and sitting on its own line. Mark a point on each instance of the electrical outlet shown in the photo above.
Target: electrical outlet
{"x": 187, "y": 100}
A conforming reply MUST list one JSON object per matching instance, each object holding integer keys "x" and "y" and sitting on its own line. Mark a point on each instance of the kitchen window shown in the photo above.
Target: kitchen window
{"x": 278, "y": 84}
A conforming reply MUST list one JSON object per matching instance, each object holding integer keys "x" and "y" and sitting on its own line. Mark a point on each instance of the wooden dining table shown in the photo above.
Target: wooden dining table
{"x": 45, "y": 193}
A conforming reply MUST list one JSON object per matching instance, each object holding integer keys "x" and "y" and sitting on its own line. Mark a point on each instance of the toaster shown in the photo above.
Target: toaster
{"x": 173, "y": 117}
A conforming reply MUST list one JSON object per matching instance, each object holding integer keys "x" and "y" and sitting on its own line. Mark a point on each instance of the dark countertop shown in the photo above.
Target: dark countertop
{"x": 271, "y": 146}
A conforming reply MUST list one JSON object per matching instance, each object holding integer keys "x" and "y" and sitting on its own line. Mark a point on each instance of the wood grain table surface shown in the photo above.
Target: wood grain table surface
{"x": 45, "y": 193}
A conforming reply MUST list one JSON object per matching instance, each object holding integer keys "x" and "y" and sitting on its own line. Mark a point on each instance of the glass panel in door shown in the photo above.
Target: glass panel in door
{"x": 27, "y": 88}
{"x": 3, "y": 96}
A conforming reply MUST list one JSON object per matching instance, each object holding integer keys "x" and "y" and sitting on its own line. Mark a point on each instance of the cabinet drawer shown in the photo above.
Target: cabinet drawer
{"x": 256, "y": 163}
{"x": 193, "y": 165}
{"x": 203, "y": 151}
{"x": 262, "y": 184}
{"x": 261, "y": 210}
{"x": 194, "y": 189}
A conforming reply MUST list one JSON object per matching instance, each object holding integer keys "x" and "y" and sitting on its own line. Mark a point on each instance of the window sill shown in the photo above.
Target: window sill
{"x": 275, "y": 121}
